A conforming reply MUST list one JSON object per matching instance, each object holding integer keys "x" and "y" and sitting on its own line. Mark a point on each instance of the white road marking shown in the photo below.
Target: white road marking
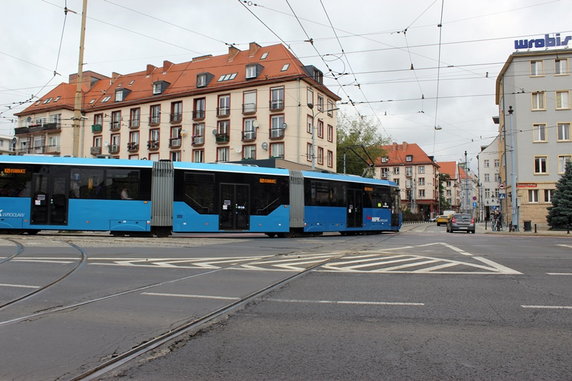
{"x": 17, "y": 285}
{"x": 351, "y": 302}
{"x": 549, "y": 307}
{"x": 565, "y": 274}
{"x": 45, "y": 260}
{"x": 191, "y": 296}
{"x": 564, "y": 245}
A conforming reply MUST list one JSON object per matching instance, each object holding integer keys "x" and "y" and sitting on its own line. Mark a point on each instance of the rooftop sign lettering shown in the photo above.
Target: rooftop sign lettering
{"x": 546, "y": 42}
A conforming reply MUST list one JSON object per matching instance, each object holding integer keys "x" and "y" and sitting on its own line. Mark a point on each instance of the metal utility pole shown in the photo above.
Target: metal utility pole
{"x": 78, "y": 96}
{"x": 513, "y": 172}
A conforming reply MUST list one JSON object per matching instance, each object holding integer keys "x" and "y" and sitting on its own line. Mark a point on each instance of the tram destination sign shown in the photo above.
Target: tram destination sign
{"x": 546, "y": 42}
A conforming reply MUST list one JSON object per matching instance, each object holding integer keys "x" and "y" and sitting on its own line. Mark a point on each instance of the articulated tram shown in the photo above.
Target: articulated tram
{"x": 147, "y": 197}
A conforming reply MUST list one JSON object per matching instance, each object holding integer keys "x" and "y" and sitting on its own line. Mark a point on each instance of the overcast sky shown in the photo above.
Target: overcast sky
{"x": 382, "y": 41}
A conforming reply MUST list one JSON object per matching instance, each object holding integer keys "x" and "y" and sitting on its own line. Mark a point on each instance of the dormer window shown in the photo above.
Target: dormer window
{"x": 203, "y": 79}
{"x": 253, "y": 71}
{"x": 106, "y": 99}
{"x": 409, "y": 158}
{"x": 384, "y": 159}
{"x": 264, "y": 55}
{"x": 159, "y": 87}
{"x": 121, "y": 94}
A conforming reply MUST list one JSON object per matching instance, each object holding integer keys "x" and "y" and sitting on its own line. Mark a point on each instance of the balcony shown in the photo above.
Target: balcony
{"x": 21, "y": 130}
{"x": 115, "y": 125}
{"x": 248, "y": 136}
{"x": 198, "y": 140}
{"x": 153, "y": 145}
{"x": 154, "y": 120}
{"x": 134, "y": 123}
{"x": 132, "y": 146}
{"x": 176, "y": 118}
{"x": 277, "y": 105}
{"x": 96, "y": 128}
{"x": 95, "y": 151}
{"x": 198, "y": 114}
{"x": 249, "y": 108}
{"x": 113, "y": 149}
{"x": 222, "y": 138}
{"x": 277, "y": 133}
{"x": 222, "y": 112}
{"x": 52, "y": 149}
{"x": 175, "y": 143}
{"x": 52, "y": 126}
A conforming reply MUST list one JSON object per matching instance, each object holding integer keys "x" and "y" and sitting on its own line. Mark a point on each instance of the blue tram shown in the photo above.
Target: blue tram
{"x": 146, "y": 197}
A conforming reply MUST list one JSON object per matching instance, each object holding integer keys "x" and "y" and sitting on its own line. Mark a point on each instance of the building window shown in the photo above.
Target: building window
{"x": 330, "y": 133}
{"x": 114, "y": 143}
{"x": 134, "y": 117}
{"x": 330, "y": 108}
{"x": 384, "y": 173}
{"x": 540, "y": 165}
{"x": 202, "y": 79}
{"x": 309, "y": 152}
{"x": 487, "y": 163}
{"x": 331, "y": 159}
{"x": 249, "y": 129}
{"x": 155, "y": 115}
{"x": 409, "y": 158}
{"x": 539, "y": 131}
{"x": 277, "y": 99}
{"x": 320, "y": 156}
{"x": 421, "y": 169}
{"x": 421, "y": 193}
{"x": 153, "y": 142}
{"x": 396, "y": 170}
{"x": 309, "y": 124}
{"x": 249, "y": 152}
{"x": 487, "y": 193}
{"x": 175, "y": 139}
{"x": 223, "y": 109}
{"x": 535, "y": 68}
{"x": 199, "y": 108}
{"x": 133, "y": 144}
{"x": 249, "y": 102}
{"x": 310, "y": 96}
{"x": 497, "y": 163}
{"x": 251, "y": 71}
{"x": 176, "y": 112}
{"x": 320, "y": 128}
{"x": 421, "y": 181}
{"x": 563, "y": 131}
{"x": 561, "y": 66}
{"x": 277, "y": 150}
{"x": 562, "y": 161}
{"x": 548, "y": 195}
{"x": 198, "y": 156}
{"x": 408, "y": 171}
{"x": 533, "y": 195}
{"x": 175, "y": 155}
{"x": 198, "y": 134}
{"x": 562, "y": 100}
{"x": 277, "y": 126}
{"x": 320, "y": 102}
{"x": 487, "y": 177}
{"x": 159, "y": 87}
{"x": 222, "y": 131}
{"x": 538, "y": 100}
{"x": 222, "y": 154}
{"x": 396, "y": 181}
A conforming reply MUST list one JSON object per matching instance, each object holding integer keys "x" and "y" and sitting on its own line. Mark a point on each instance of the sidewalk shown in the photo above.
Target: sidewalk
{"x": 536, "y": 231}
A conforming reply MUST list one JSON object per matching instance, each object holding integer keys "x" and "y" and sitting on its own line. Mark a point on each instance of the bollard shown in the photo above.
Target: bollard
{"x": 535, "y": 231}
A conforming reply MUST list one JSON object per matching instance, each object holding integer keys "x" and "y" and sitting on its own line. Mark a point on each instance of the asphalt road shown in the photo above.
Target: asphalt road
{"x": 420, "y": 304}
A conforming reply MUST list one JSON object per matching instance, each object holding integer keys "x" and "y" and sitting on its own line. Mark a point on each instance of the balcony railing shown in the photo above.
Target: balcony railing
{"x": 115, "y": 125}
{"x": 132, "y": 146}
{"x": 277, "y": 133}
{"x": 113, "y": 149}
{"x": 249, "y": 108}
{"x": 222, "y": 138}
{"x": 134, "y": 123}
{"x": 52, "y": 148}
{"x": 198, "y": 114}
{"x": 198, "y": 140}
{"x": 175, "y": 142}
{"x": 52, "y": 126}
{"x": 176, "y": 118}
{"x": 154, "y": 120}
{"x": 222, "y": 112}
{"x": 95, "y": 151}
{"x": 21, "y": 130}
{"x": 248, "y": 136}
{"x": 277, "y": 105}
{"x": 96, "y": 128}
{"x": 153, "y": 145}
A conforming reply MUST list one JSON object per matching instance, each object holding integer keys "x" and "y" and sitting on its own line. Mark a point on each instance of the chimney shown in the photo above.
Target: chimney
{"x": 150, "y": 69}
{"x": 253, "y": 48}
{"x": 394, "y": 146}
{"x": 405, "y": 146}
{"x": 167, "y": 65}
{"x": 232, "y": 52}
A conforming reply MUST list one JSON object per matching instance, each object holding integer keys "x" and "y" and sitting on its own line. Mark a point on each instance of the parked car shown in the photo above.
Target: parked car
{"x": 461, "y": 221}
{"x": 442, "y": 219}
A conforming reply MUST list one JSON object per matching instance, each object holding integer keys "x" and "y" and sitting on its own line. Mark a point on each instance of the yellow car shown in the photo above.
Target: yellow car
{"x": 442, "y": 219}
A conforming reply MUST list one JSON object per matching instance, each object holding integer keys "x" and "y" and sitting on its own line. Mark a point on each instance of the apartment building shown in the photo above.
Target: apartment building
{"x": 489, "y": 179}
{"x": 415, "y": 172}
{"x": 533, "y": 94}
{"x": 6, "y": 143}
{"x": 451, "y": 187}
{"x": 257, "y": 104}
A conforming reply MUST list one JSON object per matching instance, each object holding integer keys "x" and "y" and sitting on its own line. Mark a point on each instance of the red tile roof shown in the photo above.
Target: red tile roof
{"x": 396, "y": 154}
{"x": 449, "y": 168}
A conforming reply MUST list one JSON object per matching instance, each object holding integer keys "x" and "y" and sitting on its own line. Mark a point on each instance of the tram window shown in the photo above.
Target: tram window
{"x": 268, "y": 193}
{"x": 199, "y": 192}
{"x": 87, "y": 183}
{"x": 122, "y": 184}
{"x": 323, "y": 193}
{"x": 377, "y": 198}
{"x": 15, "y": 181}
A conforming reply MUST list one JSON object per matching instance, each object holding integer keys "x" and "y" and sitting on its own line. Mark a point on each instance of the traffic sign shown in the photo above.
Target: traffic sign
{"x": 502, "y": 196}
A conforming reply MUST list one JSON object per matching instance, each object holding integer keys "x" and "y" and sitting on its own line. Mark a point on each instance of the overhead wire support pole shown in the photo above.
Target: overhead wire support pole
{"x": 513, "y": 173}
{"x": 78, "y": 95}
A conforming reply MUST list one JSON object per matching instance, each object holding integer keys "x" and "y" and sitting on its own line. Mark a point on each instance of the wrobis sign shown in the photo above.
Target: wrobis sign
{"x": 546, "y": 42}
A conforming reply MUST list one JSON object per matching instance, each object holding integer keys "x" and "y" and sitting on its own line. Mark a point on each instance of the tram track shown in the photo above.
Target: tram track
{"x": 19, "y": 250}
{"x": 83, "y": 259}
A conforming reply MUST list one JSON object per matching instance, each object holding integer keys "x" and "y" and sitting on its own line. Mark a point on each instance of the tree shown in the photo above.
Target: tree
{"x": 560, "y": 213}
{"x": 359, "y": 145}
{"x": 443, "y": 203}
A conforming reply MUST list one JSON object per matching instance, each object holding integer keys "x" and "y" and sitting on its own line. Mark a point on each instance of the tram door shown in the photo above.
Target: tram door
{"x": 50, "y": 196}
{"x": 234, "y": 207}
{"x": 354, "y": 209}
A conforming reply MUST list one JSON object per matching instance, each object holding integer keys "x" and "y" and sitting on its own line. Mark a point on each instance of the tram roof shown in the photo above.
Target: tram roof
{"x": 346, "y": 178}
{"x": 56, "y": 160}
